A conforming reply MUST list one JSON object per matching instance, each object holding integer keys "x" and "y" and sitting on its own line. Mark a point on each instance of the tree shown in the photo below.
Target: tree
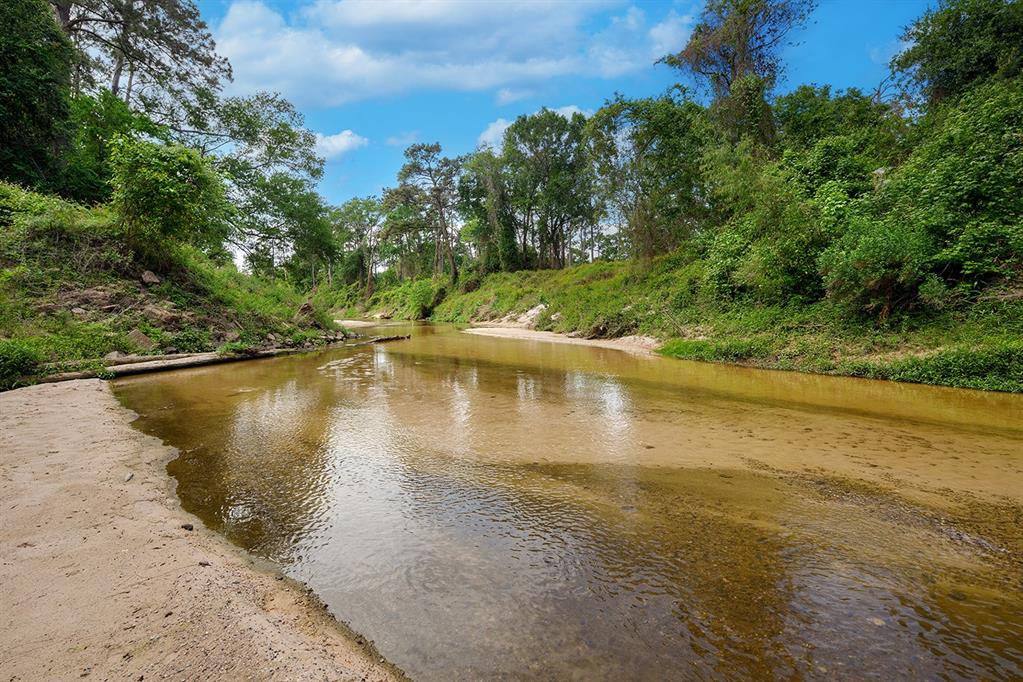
{"x": 408, "y": 216}
{"x": 485, "y": 203}
{"x": 737, "y": 38}
{"x": 961, "y": 43}
{"x": 735, "y": 50}
{"x": 35, "y": 78}
{"x": 95, "y": 120}
{"x": 437, "y": 177}
{"x": 282, "y": 216}
{"x": 647, "y": 160}
{"x": 166, "y": 191}
{"x": 154, "y": 54}
{"x": 550, "y": 183}
{"x": 360, "y": 222}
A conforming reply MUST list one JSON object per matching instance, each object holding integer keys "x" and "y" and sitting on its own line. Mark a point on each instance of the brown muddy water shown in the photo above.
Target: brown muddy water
{"x": 491, "y": 508}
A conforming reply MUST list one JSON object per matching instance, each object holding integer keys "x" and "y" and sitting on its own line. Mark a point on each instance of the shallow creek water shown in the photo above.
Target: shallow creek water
{"x": 492, "y": 508}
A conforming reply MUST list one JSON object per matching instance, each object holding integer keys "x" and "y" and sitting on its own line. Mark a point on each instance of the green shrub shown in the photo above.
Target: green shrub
{"x": 876, "y": 266}
{"x": 17, "y": 360}
{"x": 192, "y": 341}
{"x": 732, "y": 350}
{"x": 167, "y": 191}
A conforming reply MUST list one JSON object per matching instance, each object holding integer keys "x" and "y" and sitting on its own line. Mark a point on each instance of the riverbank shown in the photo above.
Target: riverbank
{"x": 101, "y": 577}
{"x": 975, "y": 344}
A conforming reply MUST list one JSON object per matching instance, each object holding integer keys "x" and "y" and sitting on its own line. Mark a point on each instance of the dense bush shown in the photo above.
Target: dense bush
{"x": 17, "y": 359}
{"x": 951, "y": 216}
{"x": 167, "y": 191}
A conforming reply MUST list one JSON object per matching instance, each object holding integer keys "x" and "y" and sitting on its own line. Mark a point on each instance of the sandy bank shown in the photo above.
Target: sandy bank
{"x": 100, "y": 580}
{"x": 358, "y": 324}
{"x": 635, "y": 344}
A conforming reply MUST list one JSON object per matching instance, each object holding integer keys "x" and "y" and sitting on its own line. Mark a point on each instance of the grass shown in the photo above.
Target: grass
{"x": 70, "y": 293}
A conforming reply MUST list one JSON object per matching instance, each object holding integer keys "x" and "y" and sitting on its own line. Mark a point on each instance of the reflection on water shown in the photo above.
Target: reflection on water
{"x": 487, "y": 508}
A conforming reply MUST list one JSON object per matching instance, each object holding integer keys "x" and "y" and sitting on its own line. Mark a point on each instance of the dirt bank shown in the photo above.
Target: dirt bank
{"x": 635, "y": 344}
{"x": 99, "y": 578}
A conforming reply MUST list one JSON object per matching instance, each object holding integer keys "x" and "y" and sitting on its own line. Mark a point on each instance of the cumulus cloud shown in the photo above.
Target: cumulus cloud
{"x": 671, "y": 34}
{"x": 333, "y": 51}
{"x": 494, "y": 132}
{"x": 333, "y": 146}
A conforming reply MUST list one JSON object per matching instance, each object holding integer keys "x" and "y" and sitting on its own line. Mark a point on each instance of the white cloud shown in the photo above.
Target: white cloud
{"x": 509, "y": 95}
{"x": 493, "y": 134}
{"x": 334, "y": 51}
{"x": 333, "y": 146}
{"x": 571, "y": 109}
{"x": 403, "y": 139}
{"x": 670, "y": 35}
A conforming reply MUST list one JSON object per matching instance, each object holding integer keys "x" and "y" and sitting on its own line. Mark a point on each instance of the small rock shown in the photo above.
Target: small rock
{"x": 187, "y": 526}
{"x": 231, "y": 337}
{"x": 876, "y": 621}
{"x": 271, "y": 338}
{"x": 170, "y": 350}
{"x": 113, "y": 355}
{"x": 78, "y": 311}
{"x": 129, "y": 477}
{"x": 149, "y": 277}
{"x": 141, "y": 340}
{"x": 204, "y": 563}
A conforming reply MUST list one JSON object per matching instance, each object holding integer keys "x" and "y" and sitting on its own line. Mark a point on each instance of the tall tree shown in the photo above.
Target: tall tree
{"x": 737, "y": 38}
{"x": 960, "y": 43}
{"x": 735, "y": 50}
{"x": 360, "y": 220}
{"x": 647, "y": 157}
{"x": 437, "y": 177}
{"x": 35, "y": 77}
{"x": 154, "y": 54}
{"x": 550, "y": 182}
{"x": 485, "y": 203}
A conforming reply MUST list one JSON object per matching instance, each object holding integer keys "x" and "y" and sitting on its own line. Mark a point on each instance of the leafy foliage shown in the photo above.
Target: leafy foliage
{"x": 960, "y": 44}
{"x": 35, "y": 81}
{"x": 167, "y": 191}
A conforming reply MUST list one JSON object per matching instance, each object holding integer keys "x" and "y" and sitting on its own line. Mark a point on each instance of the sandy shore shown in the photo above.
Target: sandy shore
{"x": 100, "y": 580}
{"x": 634, "y": 344}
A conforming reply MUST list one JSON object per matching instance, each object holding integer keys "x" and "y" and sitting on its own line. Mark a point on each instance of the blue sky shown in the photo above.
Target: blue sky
{"x": 372, "y": 76}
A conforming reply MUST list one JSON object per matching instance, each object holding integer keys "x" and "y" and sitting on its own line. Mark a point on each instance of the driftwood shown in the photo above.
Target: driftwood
{"x": 380, "y": 339}
{"x": 159, "y": 363}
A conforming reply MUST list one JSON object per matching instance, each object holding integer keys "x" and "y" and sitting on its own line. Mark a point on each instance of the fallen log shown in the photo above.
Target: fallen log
{"x": 183, "y": 360}
{"x": 380, "y": 339}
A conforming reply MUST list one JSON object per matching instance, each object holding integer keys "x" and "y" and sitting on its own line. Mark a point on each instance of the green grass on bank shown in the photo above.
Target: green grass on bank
{"x": 976, "y": 345}
{"x": 71, "y": 292}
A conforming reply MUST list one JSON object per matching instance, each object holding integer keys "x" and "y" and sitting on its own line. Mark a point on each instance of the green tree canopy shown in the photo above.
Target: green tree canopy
{"x": 35, "y": 77}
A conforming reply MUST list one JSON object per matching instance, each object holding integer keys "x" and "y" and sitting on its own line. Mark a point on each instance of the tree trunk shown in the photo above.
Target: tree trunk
{"x": 115, "y": 81}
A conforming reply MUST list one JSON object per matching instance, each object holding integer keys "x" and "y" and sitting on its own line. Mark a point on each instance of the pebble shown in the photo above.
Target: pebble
{"x": 187, "y": 526}
{"x": 204, "y": 563}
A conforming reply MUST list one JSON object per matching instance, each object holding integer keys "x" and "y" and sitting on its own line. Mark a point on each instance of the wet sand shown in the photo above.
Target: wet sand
{"x": 99, "y": 578}
{"x": 634, "y": 344}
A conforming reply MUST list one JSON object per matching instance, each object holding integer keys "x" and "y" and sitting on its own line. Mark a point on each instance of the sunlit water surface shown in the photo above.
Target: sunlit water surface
{"x": 487, "y": 508}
